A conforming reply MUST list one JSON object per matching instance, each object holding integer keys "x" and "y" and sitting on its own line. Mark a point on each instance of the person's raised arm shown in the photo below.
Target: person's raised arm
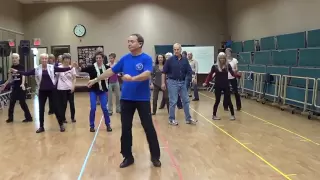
{"x": 147, "y": 69}
{"x": 61, "y": 69}
{"x": 209, "y": 77}
{"x": 27, "y": 73}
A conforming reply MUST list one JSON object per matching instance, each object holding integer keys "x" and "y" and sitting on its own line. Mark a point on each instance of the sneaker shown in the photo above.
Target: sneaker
{"x": 232, "y": 118}
{"x": 191, "y": 121}
{"x": 215, "y": 118}
{"x": 173, "y": 122}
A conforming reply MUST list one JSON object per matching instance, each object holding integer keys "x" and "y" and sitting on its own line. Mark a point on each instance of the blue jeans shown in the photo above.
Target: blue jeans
{"x": 93, "y": 105}
{"x": 174, "y": 88}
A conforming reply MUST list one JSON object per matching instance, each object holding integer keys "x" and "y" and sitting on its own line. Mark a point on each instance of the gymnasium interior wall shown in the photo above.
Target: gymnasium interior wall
{"x": 252, "y": 19}
{"x": 164, "y": 22}
{"x": 11, "y": 23}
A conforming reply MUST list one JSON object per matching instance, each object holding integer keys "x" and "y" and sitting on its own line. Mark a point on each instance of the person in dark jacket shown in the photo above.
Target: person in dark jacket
{"x": 220, "y": 72}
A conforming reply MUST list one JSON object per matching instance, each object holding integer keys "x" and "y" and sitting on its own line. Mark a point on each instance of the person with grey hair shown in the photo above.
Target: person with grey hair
{"x": 163, "y": 101}
{"x": 193, "y": 80}
{"x": 46, "y": 87}
{"x": 66, "y": 86}
{"x": 221, "y": 70}
{"x": 176, "y": 69}
{"x": 18, "y": 92}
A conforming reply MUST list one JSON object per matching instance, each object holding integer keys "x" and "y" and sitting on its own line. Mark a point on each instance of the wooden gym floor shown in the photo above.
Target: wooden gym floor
{"x": 264, "y": 143}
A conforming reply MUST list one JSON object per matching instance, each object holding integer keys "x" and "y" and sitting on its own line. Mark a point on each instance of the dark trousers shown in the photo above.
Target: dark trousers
{"x": 234, "y": 85}
{"x": 43, "y": 96}
{"x": 51, "y": 108}
{"x": 226, "y": 92}
{"x": 18, "y": 94}
{"x": 156, "y": 90}
{"x": 128, "y": 109}
{"x": 66, "y": 96}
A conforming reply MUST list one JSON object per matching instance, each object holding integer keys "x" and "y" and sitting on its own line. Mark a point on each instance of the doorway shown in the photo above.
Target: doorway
{"x": 36, "y": 55}
{"x": 60, "y": 49}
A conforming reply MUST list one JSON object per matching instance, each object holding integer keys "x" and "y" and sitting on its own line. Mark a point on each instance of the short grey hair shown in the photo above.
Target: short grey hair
{"x": 66, "y": 56}
{"x": 169, "y": 54}
{"x": 15, "y": 55}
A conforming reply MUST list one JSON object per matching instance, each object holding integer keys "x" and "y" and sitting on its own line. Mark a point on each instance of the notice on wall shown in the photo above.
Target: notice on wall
{"x": 86, "y": 55}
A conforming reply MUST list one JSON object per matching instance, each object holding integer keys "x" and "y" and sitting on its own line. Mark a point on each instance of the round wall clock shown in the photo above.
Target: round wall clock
{"x": 79, "y": 30}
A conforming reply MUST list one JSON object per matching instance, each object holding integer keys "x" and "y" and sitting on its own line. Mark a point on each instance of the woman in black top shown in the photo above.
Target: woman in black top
{"x": 98, "y": 90}
{"x": 220, "y": 71}
{"x": 156, "y": 83}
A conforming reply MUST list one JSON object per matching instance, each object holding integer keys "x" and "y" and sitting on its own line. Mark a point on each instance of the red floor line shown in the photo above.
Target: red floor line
{"x": 168, "y": 150}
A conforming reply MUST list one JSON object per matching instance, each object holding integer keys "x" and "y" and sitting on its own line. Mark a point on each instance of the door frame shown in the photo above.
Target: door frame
{"x": 64, "y": 46}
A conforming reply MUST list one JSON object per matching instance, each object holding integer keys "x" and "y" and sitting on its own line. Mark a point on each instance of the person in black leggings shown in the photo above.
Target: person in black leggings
{"x": 220, "y": 71}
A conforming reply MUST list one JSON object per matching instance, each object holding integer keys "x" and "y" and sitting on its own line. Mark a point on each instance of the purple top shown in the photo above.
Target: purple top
{"x": 113, "y": 78}
{"x": 46, "y": 82}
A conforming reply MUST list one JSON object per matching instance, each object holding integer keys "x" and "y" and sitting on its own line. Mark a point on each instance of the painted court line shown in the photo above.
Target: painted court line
{"x": 243, "y": 145}
{"x": 89, "y": 151}
{"x": 270, "y": 123}
{"x": 167, "y": 149}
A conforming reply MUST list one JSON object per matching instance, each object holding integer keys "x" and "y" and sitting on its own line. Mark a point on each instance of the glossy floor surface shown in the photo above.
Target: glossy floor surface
{"x": 264, "y": 143}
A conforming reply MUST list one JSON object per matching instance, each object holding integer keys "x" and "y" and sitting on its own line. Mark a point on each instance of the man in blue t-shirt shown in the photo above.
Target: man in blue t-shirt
{"x": 136, "y": 68}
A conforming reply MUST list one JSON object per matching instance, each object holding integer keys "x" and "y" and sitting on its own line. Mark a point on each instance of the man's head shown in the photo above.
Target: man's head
{"x": 99, "y": 49}
{"x": 15, "y": 58}
{"x": 112, "y": 57}
{"x": 135, "y": 42}
{"x": 184, "y": 54}
{"x": 59, "y": 59}
{"x": 168, "y": 55}
{"x": 189, "y": 55}
{"x": 66, "y": 58}
{"x": 51, "y": 59}
{"x": 228, "y": 52}
{"x": 177, "y": 49}
{"x": 99, "y": 57}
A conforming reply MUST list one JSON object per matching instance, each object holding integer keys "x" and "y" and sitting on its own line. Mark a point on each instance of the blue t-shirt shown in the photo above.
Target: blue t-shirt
{"x": 134, "y": 65}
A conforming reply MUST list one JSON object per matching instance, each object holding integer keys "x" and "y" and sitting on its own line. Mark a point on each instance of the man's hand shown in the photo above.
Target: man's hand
{"x": 13, "y": 70}
{"x": 194, "y": 81}
{"x": 163, "y": 87}
{"x": 127, "y": 77}
{"x": 92, "y": 82}
{"x": 204, "y": 84}
{"x": 151, "y": 86}
{"x": 23, "y": 87}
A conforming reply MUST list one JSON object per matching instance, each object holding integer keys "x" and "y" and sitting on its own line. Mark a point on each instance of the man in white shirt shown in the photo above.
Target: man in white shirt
{"x": 194, "y": 66}
{"x": 232, "y": 80}
{"x": 66, "y": 85}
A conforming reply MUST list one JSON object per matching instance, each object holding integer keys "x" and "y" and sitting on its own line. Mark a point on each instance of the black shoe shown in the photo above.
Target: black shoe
{"x": 156, "y": 162}
{"x": 195, "y": 99}
{"x": 226, "y": 109}
{"x": 161, "y": 107}
{"x": 92, "y": 129}
{"x": 73, "y": 120}
{"x": 65, "y": 121}
{"x": 62, "y": 129}
{"x": 239, "y": 109}
{"x": 40, "y": 130}
{"x": 9, "y": 120}
{"x": 153, "y": 113}
{"x": 109, "y": 129}
{"x": 127, "y": 162}
{"x": 50, "y": 113}
{"x": 110, "y": 114}
{"x": 27, "y": 120}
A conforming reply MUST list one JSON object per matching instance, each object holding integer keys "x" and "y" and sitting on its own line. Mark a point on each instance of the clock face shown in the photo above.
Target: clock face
{"x": 79, "y": 30}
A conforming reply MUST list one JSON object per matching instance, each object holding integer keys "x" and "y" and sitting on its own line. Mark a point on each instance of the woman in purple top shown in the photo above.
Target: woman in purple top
{"x": 46, "y": 87}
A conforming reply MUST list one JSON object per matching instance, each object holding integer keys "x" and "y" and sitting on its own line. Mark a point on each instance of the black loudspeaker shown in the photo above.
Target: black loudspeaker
{"x": 5, "y": 49}
{"x": 25, "y": 47}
